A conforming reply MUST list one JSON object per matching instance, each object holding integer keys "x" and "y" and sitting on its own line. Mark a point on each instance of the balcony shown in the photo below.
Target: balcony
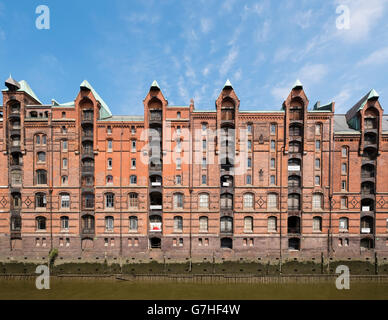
{"x": 87, "y": 169}
{"x": 156, "y": 207}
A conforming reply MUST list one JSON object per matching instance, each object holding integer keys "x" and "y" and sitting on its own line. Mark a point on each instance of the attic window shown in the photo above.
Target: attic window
{"x": 178, "y": 115}
{"x": 63, "y": 114}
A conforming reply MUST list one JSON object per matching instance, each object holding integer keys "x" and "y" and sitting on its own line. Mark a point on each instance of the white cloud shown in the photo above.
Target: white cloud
{"x": 379, "y": 56}
{"x": 182, "y": 89}
{"x": 341, "y": 100}
{"x": 364, "y": 15}
{"x": 228, "y": 5}
{"x": 206, "y": 25}
{"x": 280, "y": 93}
{"x": 263, "y": 31}
{"x": 312, "y": 73}
{"x": 237, "y": 75}
{"x": 282, "y": 54}
{"x": 230, "y": 59}
{"x": 206, "y": 71}
{"x": 303, "y": 19}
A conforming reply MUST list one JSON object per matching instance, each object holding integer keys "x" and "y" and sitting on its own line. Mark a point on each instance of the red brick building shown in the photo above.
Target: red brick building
{"x": 180, "y": 182}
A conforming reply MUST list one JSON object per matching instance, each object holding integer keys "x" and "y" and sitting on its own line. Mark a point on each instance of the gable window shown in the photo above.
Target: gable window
{"x": 273, "y": 128}
{"x": 318, "y": 129}
{"x": 249, "y": 128}
{"x": 178, "y": 115}
{"x": 109, "y": 130}
{"x": 344, "y": 152}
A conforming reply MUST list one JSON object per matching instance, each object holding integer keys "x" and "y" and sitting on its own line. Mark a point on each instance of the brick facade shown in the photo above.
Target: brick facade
{"x": 179, "y": 182}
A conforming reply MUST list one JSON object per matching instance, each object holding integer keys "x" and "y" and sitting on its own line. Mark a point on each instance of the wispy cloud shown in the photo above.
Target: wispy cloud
{"x": 206, "y": 25}
{"x": 312, "y": 73}
{"x": 263, "y": 31}
{"x": 280, "y": 93}
{"x": 377, "y": 57}
{"x": 229, "y": 61}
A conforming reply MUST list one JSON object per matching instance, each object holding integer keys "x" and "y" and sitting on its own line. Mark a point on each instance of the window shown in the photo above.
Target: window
{"x": 344, "y": 152}
{"x": 44, "y": 139}
{"x": 133, "y": 224}
{"x": 249, "y": 145}
{"x": 248, "y": 224}
{"x": 226, "y": 224}
{"x": 204, "y": 145}
{"x": 64, "y": 180}
{"x": 272, "y": 179}
{"x": 133, "y": 179}
{"x": 344, "y": 203}
{"x": 64, "y": 223}
{"x": 63, "y": 114}
{"x": 178, "y": 201}
{"x": 203, "y": 224}
{"x": 317, "y": 180}
{"x": 178, "y": 163}
{"x": 249, "y": 164}
{"x": 133, "y": 130}
{"x": 178, "y": 130}
{"x": 249, "y": 128}
{"x": 317, "y": 201}
{"x": 178, "y": 179}
{"x": 318, "y": 128}
{"x": 133, "y": 163}
{"x": 272, "y": 201}
{"x": 273, "y": 128}
{"x": 204, "y": 179}
{"x": 343, "y": 224}
{"x": 37, "y": 139}
{"x": 110, "y": 145}
{"x": 65, "y": 201}
{"x": 249, "y": 179}
{"x": 178, "y": 145}
{"x": 248, "y": 201}
{"x": 133, "y": 200}
{"x": 293, "y": 201}
{"x": 64, "y": 163}
{"x": 295, "y": 146}
{"x": 88, "y": 201}
{"x": 343, "y": 185}
{"x": 109, "y": 223}
{"x": 109, "y": 179}
{"x": 273, "y": 163}
{"x": 109, "y": 200}
{"x": 204, "y": 163}
{"x": 272, "y": 224}
{"x": 318, "y": 144}
{"x": 343, "y": 168}
{"x": 42, "y": 156}
{"x": 226, "y": 201}
{"x": 178, "y": 115}
{"x": 317, "y": 163}
{"x": 204, "y": 128}
{"x": 64, "y": 130}
{"x": 317, "y": 224}
{"x": 178, "y": 224}
{"x": 40, "y": 223}
{"x": 64, "y": 145}
{"x": 273, "y": 145}
{"x": 133, "y": 145}
{"x": 109, "y": 163}
{"x": 109, "y": 130}
{"x": 41, "y": 177}
{"x": 16, "y": 200}
{"x": 204, "y": 201}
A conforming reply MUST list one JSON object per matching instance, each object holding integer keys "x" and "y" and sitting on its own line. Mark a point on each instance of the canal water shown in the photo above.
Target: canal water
{"x": 80, "y": 289}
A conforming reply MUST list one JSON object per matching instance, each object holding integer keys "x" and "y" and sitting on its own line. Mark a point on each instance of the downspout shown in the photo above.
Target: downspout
{"x": 121, "y": 192}
{"x": 329, "y": 236}
{"x": 280, "y": 207}
{"x": 190, "y": 188}
{"x": 51, "y": 182}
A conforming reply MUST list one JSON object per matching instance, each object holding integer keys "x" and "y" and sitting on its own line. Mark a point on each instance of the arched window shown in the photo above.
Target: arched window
{"x": 178, "y": 224}
{"x": 109, "y": 200}
{"x": 109, "y": 179}
{"x": 64, "y": 180}
{"x": 344, "y": 152}
{"x": 109, "y": 163}
{"x": 226, "y": 201}
{"x": 318, "y": 129}
{"x": 109, "y": 221}
{"x": 272, "y": 224}
{"x": 203, "y": 224}
{"x": 65, "y": 201}
{"x": 317, "y": 201}
{"x": 87, "y": 224}
{"x": 133, "y": 200}
{"x": 317, "y": 224}
{"x": 40, "y": 200}
{"x": 226, "y": 224}
{"x": 133, "y": 223}
{"x": 248, "y": 201}
{"x": 343, "y": 224}
{"x": 16, "y": 200}
{"x": 64, "y": 223}
{"x": 248, "y": 224}
{"x": 178, "y": 200}
{"x": 203, "y": 201}
{"x": 133, "y": 179}
{"x": 293, "y": 201}
{"x": 272, "y": 201}
{"x": 40, "y": 223}
{"x": 41, "y": 177}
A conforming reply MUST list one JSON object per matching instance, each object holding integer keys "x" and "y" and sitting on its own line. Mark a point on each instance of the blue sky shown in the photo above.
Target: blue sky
{"x": 192, "y": 47}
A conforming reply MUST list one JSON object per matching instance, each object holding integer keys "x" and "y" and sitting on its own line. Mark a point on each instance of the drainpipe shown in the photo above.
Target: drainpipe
{"x": 51, "y": 182}
{"x": 280, "y": 206}
{"x": 190, "y": 188}
{"x": 121, "y": 192}
{"x": 331, "y": 153}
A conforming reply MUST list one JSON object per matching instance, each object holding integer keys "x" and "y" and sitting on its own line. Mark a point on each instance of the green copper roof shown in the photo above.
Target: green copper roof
{"x": 155, "y": 84}
{"x": 228, "y": 84}
{"x": 27, "y": 89}
{"x": 326, "y": 107}
{"x": 55, "y": 103}
{"x": 104, "y": 111}
{"x": 297, "y": 84}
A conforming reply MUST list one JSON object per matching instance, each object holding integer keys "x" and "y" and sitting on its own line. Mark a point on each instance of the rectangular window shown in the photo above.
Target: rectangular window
{"x": 273, "y": 128}
{"x": 204, "y": 164}
{"x": 204, "y": 145}
{"x": 317, "y": 180}
{"x": 272, "y": 180}
{"x": 64, "y": 163}
{"x": 317, "y": 164}
{"x": 133, "y": 146}
{"x": 343, "y": 184}
{"x": 249, "y": 163}
{"x": 272, "y": 163}
{"x": 249, "y": 128}
{"x": 109, "y": 200}
{"x": 249, "y": 179}
{"x": 178, "y": 163}
{"x": 110, "y": 145}
{"x": 178, "y": 145}
{"x": 318, "y": 145}
{"x": 65, "y": 201}
{"x": 273, "y": 145}
{"x": 318, "y": 129}
{"x": 344, "y": 203}
{"x": 204, "y": 179}
{"x": 249, "y": 145}
{"x": 64, "y": 145}
{"x": 109, "y": 163}
{"x": 272, "y": 201}
{"x": 133, "y": 163}
{"x": 178, "y": 131}
{"x": 344, "y": 168}
{"x": 344, "y": 152}
{"x": 178, "y": 179}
